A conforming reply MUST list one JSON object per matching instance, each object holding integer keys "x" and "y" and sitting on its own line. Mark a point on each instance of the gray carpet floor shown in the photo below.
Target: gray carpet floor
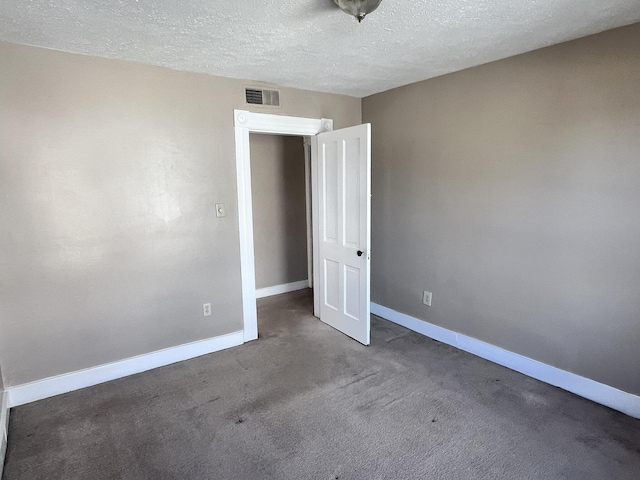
{"x": 306, "y": 402}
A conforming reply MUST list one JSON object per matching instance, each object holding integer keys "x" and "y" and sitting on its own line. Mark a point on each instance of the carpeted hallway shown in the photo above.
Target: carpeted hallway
{"x": 306, "y": 402}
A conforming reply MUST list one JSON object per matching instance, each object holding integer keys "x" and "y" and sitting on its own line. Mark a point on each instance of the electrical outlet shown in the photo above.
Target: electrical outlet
{"x": 206, "y": 309}
{"x": 426, "y": 298}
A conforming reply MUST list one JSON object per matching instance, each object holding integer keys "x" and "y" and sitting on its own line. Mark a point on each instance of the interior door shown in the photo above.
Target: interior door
{"x": 344, "y": 217}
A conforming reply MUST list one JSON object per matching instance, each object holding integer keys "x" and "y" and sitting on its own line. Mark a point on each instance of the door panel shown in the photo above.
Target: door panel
{"x": 344, "y": 211}
{"x": 332, "y": 279}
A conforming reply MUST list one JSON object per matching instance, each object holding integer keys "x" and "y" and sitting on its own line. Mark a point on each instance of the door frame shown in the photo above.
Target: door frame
{"x": 245, "y": 123}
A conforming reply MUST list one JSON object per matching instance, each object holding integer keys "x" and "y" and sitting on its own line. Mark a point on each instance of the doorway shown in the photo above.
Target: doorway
{"x": 340, "y": 219}
{"x": 280, "y": 190}
{"x": 246, "y": 123}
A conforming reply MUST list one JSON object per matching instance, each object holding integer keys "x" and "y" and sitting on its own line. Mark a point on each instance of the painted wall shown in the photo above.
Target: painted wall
{"x": 109, "y": 172}
{"x": 512, "y": 192}
{"x": 279, "y": 209}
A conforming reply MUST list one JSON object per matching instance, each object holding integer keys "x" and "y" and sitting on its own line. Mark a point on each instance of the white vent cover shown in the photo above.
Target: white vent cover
{"x": 257, "y": 96}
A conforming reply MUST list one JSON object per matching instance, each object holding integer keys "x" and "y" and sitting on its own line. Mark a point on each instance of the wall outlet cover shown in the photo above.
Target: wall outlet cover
{"x": 206, "y": 309}
{"x": 426, "y": 298}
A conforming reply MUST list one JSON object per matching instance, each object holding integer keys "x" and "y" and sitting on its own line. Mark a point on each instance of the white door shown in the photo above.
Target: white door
{"x": 344, "y": 217}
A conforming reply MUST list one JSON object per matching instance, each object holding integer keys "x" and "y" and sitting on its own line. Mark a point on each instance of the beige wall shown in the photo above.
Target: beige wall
{"x": 512, "y": 192}
{"x": 109, "y": 172}
{"x": 279, "y": 209}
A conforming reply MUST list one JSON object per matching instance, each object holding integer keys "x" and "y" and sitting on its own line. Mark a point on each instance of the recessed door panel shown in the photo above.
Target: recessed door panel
{"x": 352, "y": 213}
{"x": 331, "y": 194}
{"x": 352, "y": 293}
{"x": 332, "y": 284}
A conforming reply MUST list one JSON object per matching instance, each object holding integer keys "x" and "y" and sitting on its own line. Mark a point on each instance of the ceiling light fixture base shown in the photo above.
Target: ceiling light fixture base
{"x": 358, "y": 8}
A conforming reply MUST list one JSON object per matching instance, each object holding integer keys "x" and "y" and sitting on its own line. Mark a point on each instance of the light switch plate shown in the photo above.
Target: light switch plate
{"x": 220, "y": 211}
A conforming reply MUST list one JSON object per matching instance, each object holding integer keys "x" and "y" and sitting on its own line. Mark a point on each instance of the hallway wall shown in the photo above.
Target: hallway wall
{"x": 279, "y": 209}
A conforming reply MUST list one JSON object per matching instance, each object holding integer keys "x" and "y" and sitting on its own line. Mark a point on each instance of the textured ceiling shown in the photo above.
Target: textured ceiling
{"x": 309, "y": 44}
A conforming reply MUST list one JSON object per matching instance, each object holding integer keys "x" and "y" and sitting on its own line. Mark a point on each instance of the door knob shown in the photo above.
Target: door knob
{"x": 360, "y": 253}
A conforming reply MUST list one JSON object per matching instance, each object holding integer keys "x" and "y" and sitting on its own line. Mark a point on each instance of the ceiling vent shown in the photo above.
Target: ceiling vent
{"x": 257, "y": 96}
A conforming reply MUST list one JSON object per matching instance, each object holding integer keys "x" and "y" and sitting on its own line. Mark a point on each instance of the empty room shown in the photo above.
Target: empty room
{"x": 319, "y": 239}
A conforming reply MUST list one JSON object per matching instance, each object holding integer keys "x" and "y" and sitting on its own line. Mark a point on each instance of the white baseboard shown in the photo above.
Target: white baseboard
{"x": 278, "y": 289}
{"x": 598, "y": 392}
{"x": 68, "y": 382}
{"x": 4, "y": 426}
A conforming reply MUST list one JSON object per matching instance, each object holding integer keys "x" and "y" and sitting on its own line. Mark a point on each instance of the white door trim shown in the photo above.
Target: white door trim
{"x": 307, "y": 188}
{"x": 245, "y": 123}
{"x": 315, "y": 224}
